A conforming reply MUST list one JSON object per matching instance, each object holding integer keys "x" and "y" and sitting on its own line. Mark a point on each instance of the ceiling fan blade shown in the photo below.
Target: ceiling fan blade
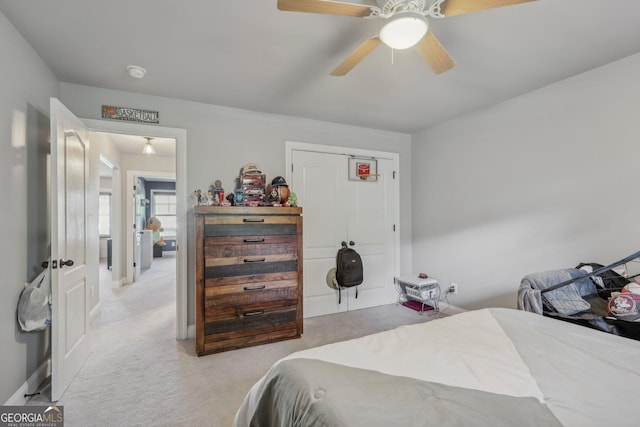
{"x": 356, "y": 56}
{"x": 458, "y": 7}
{"x": 435, "y": 54}
{"x": 327, "y": 7}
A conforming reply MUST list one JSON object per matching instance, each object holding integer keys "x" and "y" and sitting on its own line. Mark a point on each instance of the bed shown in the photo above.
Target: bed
{"x": 489, "y": 367}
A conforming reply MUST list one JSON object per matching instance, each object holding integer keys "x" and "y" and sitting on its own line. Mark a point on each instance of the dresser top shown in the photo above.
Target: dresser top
{"x": 246, "y": 210}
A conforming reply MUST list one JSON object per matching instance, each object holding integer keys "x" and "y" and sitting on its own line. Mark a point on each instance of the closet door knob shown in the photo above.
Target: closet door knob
{"x": 68, "y": 263}
{"x": 351, "y": 243}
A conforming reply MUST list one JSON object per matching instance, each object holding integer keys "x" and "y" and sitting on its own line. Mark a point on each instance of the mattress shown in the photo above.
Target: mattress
{"x": 485, "y": 367}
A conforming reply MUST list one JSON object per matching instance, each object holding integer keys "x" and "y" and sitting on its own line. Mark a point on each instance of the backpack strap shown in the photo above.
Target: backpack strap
{"x": 340, "y": 294}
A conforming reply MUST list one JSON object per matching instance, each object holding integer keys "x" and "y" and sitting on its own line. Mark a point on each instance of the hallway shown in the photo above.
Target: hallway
{"x": 134, "y": 331}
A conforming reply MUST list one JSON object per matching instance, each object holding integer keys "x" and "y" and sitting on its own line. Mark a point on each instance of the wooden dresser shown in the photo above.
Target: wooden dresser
{"x": 248, "y": 276}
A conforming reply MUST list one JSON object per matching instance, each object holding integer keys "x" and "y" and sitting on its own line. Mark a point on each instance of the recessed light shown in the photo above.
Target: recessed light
{"x": 136, "y": 72}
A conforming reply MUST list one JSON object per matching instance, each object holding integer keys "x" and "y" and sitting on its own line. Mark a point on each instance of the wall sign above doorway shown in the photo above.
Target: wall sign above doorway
{"x": 130, "y": 114}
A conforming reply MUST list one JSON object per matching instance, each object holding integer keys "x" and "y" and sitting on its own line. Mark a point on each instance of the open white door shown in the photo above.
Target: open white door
{"x": 70, "y": 292}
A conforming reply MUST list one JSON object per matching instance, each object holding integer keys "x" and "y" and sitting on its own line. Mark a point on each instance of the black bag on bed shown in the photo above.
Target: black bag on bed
{"x": 609, "y": 280}
{"x": 348, "y": 269}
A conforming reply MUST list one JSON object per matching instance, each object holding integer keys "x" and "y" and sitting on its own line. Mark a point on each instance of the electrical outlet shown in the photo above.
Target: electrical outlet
{"x": 453, "y": 288}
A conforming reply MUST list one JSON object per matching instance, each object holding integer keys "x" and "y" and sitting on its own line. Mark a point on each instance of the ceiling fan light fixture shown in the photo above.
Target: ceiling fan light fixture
{"x": 404, "y": 30}
{"x": 148, "y": 148}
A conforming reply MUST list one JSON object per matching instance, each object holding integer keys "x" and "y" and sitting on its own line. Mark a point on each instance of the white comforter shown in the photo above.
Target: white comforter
{"x": 585, "y": 377}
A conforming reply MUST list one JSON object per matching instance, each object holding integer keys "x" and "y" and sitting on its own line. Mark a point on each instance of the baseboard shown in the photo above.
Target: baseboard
{"x": 31, "y": 385}
{"x": 191, "y": 331}
{"x": 450, "y": 309}
{"x": 95, "y": 311}
{"x": 118, "y": 283}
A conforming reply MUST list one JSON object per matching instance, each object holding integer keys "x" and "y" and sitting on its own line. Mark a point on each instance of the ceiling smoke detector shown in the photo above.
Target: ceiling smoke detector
{"x": 136, "y": 72}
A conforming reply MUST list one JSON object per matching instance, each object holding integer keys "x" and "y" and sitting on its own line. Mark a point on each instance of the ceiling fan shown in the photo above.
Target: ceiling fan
{"x": 406, "y": 25}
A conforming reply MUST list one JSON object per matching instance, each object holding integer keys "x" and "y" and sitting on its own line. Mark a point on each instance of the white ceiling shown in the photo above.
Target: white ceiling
{"x": 132, "y": 144}
{"x": 248, "y": 54}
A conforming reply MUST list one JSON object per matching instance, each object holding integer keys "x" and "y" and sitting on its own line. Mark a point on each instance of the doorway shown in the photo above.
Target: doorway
{"x": 149, "y": 194}
{"x": 108, "y": 215}
{"x": 179, "y": 136}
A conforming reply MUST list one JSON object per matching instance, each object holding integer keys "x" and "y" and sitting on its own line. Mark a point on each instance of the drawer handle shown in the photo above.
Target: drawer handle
{"x": 254, "y": 313}
{"x": 252, "y": 219}
{"x": 254, "y": 240}
{"x": 255, "y": 260}
{"x": 254, "y": 288}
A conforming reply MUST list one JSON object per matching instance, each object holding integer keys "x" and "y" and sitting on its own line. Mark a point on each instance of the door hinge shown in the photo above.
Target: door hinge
{"x": 134, "y": 188}
{"x": 134, "y": 264}
{"x": 291, "y": 167}
{"x": 394, "y": 174}
{"x": 394, "y": 227}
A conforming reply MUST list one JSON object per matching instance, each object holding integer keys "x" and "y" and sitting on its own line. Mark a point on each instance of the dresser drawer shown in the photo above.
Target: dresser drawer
{"x": 249, "y": 259}
{"x": 251, "y": 319}
{"x": 213, "y": 344}
{"x": 254, "y": 278}
{"x": 249, "y": 220}
{"x": 236, "y": 246}
{"x": 250, "y": 293}
{"x": 250, "y": 226}
{"x": 249, "y": 269}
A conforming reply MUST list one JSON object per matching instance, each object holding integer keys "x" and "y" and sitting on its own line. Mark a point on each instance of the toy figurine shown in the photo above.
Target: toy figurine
{"x": 197, "y": 195}
{"x": 218, "y": 192}
{"x": 293, "y": 199}
{"x": 210, "y": 201}
{"x": 239, "y": 197}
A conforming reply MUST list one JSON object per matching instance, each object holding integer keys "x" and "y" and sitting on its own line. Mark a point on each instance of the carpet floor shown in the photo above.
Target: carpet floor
{"x": 138, "y": 374}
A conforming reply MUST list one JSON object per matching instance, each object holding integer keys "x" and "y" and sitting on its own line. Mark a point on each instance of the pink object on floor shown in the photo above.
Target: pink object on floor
{"x": 417, "y": 305}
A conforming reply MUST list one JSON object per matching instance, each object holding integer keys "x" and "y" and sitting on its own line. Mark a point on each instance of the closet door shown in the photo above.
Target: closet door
{"x": 335, "y": 210}
{"x": 319, "y": 182}
{"x": 371, "y": 228}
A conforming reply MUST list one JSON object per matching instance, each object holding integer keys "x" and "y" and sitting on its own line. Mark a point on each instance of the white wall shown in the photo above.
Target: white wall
{"x": 26, "y": 84}
{"x": 221, "y": 140}
{"x": 540, "y": 182}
